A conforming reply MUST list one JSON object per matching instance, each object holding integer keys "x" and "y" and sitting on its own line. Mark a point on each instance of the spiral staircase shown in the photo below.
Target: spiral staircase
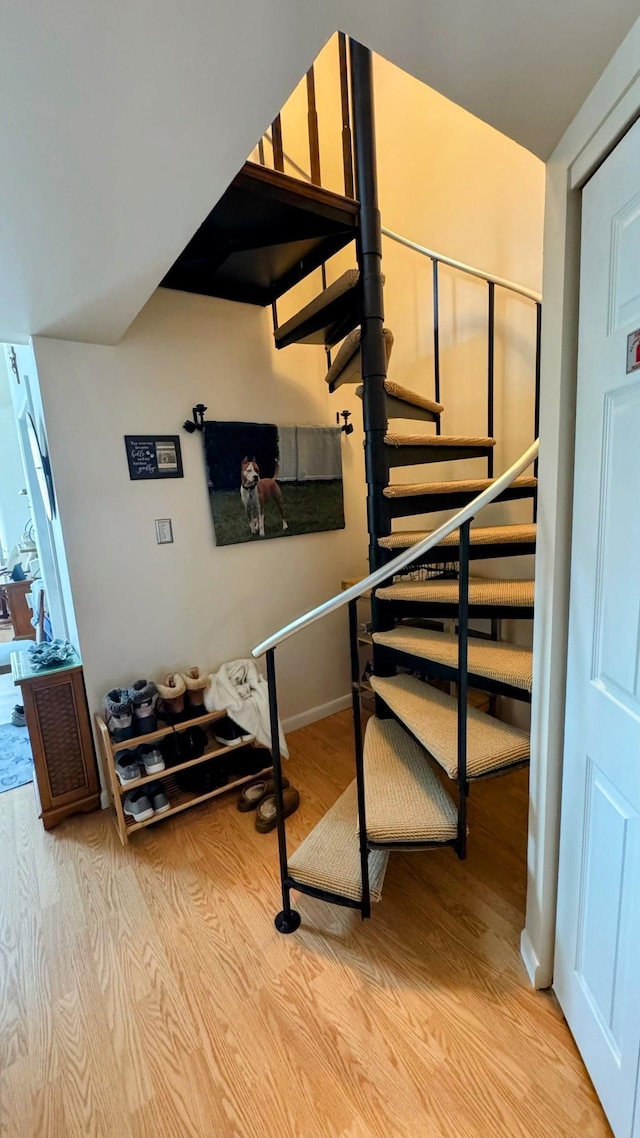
{"x": 425, "y": 746}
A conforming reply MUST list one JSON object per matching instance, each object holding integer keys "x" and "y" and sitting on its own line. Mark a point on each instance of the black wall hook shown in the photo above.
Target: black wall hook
{"x": 347, "y": 427}
{"x": 197, "y": 421}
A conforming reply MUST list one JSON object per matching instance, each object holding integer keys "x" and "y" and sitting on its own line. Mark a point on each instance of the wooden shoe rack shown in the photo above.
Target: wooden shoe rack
{"x": 179, "y": 799}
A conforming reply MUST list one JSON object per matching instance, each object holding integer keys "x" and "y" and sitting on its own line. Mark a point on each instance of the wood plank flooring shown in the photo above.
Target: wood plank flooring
{"x": 144, "y": 992}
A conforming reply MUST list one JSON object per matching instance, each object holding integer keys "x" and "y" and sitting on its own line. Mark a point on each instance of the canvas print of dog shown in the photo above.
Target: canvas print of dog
{"x": 255, "y": 492}
{"x": 268, "y": 481}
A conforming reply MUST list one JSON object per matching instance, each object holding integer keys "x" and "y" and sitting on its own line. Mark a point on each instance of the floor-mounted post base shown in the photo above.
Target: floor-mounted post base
{"x": 288, "y": 922}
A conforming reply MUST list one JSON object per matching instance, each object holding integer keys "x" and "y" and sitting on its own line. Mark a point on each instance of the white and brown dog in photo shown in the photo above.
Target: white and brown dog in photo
{"x": 256, "y": 491}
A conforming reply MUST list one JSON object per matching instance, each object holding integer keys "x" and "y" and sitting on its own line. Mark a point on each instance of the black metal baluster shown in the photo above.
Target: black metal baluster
{"x": 359, "y": 757}
{"x": 347, "y": 152}
{"x": 276, "y": 142}
{"x": 288, "y": 920}
{"x": 374, "y": 359}
{"x": 536, "y": 411}
{"x": 436, "y": 339}
{"x": 323, "y": 274}
{"x": 490, "y": 371}
{"x": 463, "y": 653}
{"x": 314, "y": 139}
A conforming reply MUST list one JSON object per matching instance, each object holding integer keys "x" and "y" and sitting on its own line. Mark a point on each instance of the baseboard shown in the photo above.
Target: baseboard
{"x": 535, "y": 972}
{"x": 315, "y": 713}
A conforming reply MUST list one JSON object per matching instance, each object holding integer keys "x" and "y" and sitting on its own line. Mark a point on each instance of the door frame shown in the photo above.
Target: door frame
{"x": 610, "y": 109}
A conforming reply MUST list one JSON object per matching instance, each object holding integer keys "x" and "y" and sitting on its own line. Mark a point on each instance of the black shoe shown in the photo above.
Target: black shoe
{"x": 228, "y": 734}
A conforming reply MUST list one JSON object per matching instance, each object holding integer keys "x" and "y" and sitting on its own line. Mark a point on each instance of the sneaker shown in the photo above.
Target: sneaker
{"x": 18, "y": 717}
{"x": 226, "y": 732}
{"x": 137, "y": 806}
{"x": 151, "y": 758}
{"x": 144, "y": 695}
{"x": 127, "y": 767}
{"x": 157, "y": 796}
{"x": 118, "y": 714}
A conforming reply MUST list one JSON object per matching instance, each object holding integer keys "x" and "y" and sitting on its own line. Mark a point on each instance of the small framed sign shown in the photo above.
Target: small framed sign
{"x": 153, "y": 456}
{"x": 633, "y": 351}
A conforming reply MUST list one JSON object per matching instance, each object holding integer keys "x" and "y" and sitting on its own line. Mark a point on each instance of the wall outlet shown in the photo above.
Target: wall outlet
{"x": 164, "y": 531}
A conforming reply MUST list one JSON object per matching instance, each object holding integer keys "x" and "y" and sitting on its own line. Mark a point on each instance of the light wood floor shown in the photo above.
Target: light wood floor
{"x": 144, "y": 993}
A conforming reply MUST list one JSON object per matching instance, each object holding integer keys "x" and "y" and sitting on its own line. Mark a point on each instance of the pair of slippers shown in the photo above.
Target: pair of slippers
{"x": 260, "y": 796}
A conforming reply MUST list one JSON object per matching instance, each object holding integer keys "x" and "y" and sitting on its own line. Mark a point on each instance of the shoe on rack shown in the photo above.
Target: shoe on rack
{"x": 18, "y": 717}
{"x": 118, "y": 714}
{"x": 157, "y": 796}
{"x": 144, "y": 695}
{"x": 171, "y": 698}
{"x": 226, "y": 732}
{"x": 245, "y": 761}
{"x": 128, "y": 766}
{"x": 266, "y": 819}
{"x": 137, "y": 805}
{"x": 191, "y": 743}
{"x": 196, "y": 683}
{"x": 253, "y": 794}
{"x": 151, "y": 758}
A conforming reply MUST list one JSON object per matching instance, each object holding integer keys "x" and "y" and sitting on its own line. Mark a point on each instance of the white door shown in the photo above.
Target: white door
{"x": 597, "y": 968}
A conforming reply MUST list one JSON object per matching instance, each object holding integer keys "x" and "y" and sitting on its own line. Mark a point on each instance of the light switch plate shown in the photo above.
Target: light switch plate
{"x": 164, "y": 531}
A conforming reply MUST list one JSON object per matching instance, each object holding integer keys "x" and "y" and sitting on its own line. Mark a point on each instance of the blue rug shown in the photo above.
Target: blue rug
{"x": 16, "y": 762}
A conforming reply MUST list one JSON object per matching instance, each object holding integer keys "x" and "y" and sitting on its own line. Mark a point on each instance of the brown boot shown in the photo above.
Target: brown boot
{"x": 171, "y": 698}
{"x": 196, "y": 682}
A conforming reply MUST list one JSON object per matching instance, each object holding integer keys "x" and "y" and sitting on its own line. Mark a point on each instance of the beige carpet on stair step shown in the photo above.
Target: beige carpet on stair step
{"x": 432, "y": 716}
{"x": 348, "y": 360}
{"x": 329, "y": 857}
{"x": 482, "y": 591}
{"x": 404, "y": 798}
{"x": 466, "y": 486}
{"x": 408, "y": 396}
{"x": 480, "y": 535}
{"x": 394, "y": 440}
{"x": 506, "y": 663}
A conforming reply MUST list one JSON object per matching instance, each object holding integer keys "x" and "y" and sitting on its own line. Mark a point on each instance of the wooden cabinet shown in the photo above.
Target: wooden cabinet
{"x": 19, "y": 611}
{"x": 55, "y": 704}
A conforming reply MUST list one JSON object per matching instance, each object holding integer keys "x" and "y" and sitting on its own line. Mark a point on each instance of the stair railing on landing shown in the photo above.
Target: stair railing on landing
{"x": 288, "y": 920}
{"x": 492, "y": 280}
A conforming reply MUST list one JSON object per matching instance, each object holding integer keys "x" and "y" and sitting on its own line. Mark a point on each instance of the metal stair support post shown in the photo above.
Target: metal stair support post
{"x": 365, "y": 904}
{"x": 288, "y": 920}
{"x": 463, "y": 653}
{"x": 373, "y": 354}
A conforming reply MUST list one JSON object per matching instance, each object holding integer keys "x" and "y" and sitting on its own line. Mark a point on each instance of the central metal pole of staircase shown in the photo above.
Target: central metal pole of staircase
{"x": 374, "y": 363}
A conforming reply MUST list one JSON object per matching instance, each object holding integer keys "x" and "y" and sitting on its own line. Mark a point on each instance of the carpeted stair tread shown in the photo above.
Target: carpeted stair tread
{"x": 470, "y": 486}
{"x": 408, "y": 396}
{"x": 405, "y": 395}
{"x": 432, "y": 716}
{"x": 332, "y": 292}
{"x": 506, "y": 663}
{"x": 482, "y": 591}
{"x": 394, "y": 440}
{"x": 347, "y": 365}
{"x": 480, "y": 535}
{"x": 404, "y": 799}
{"x": 329, "y": 857}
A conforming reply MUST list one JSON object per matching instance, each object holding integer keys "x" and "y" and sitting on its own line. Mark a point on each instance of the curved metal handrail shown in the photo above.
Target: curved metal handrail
{"x": 379, "y": 576}
{"x": 442, "y": 260}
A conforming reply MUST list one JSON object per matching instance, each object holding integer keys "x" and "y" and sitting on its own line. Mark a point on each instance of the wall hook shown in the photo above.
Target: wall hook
{"x": 347, "y": 427}
{"x": 196, "y": 423}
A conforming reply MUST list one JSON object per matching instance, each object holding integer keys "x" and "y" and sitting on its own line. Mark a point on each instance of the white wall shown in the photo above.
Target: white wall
{"x": 14, "y": 507}
{"x": 144, "y": 609}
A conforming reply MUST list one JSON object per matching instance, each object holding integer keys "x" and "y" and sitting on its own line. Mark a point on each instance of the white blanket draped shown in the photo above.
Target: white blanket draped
{"x": 242, "y": 691}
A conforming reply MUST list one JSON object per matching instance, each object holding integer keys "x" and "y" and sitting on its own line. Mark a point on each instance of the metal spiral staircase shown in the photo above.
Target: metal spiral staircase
{"x": 424, "y": 747}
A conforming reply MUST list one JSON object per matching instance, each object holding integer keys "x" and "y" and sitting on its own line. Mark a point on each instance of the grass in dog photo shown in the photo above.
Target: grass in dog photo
{"x": 268, "y": 481}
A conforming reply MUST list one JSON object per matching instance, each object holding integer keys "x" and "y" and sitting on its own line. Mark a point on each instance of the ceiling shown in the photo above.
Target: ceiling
{"x": 122, "y": 124}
